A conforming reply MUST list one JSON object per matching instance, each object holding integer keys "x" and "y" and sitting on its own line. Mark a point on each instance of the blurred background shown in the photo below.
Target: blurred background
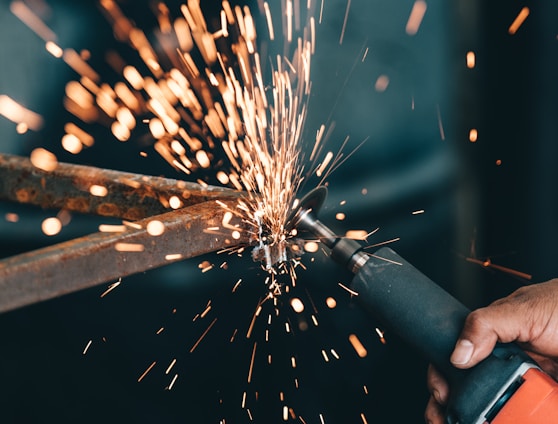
{"x": 459, "y": 120}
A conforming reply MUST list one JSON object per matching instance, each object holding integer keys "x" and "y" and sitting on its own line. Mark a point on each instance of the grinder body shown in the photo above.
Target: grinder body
{"x": 507, "y": 387}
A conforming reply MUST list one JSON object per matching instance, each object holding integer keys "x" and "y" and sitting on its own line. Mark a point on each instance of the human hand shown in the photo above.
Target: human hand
{"x": 529, "y": 317}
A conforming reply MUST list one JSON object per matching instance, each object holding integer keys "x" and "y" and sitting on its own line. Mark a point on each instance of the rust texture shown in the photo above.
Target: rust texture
{"x": 95, "y": 259}
{"x": 128, "y": 196}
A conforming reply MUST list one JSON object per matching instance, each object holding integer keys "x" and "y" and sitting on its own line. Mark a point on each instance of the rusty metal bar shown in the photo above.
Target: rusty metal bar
{"x": 129, "y": 196}
{"x": 98, "y": 258}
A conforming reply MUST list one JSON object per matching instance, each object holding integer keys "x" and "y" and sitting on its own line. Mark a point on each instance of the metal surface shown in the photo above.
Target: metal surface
{"x": 102, "y": 257}
{"x": 128, "y": 196}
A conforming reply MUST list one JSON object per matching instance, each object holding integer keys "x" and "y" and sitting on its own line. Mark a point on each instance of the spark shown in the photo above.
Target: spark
{"x": 345, "y": 22}
{"x": 129, "y": 247}
{"x": 418, "y": 212}
{"x": 331, "y": 302}
{"x": 109, "y": 228}
{"x": 51, "y": 226}
{"x": 344, "y": 287}
{"x": 11, "y": 217}
{"x": 98, "y": 190}
{"x": 29, "y": 18}
{"x": 381, "y": 84}
{"x": 358, "y": 346}
{"x": 172, "y": 382}
{"x": 416, "y": 16}
{"x": 518, "y": 21}
{"x": 440, "y": 123}
{"x": 203, "y": 335}
{"x": 473, "y": 135}
{"x": 488, "y": 264}
{"x": 251, "y": 368}
{"x": 149, "y": 368}
{"x": 297, "y": 305}
{"x": 87, "y": 347}
{"x": 471, "y": 59}
{"x": 173, "y": 257}
{"x": 43, "y": 159}
{"x": 155, "y": 228}
{"x": 111, "y": 287}
{"x": 380, "y": 334}
{"x": 383, "y": 243}
{"x": 171, "y": 365}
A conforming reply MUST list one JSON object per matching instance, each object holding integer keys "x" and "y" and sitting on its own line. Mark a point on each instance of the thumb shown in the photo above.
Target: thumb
{"x": 482, "y": 330}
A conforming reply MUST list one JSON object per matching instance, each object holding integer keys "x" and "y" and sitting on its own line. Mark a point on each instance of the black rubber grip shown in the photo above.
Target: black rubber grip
{"x": 430, "y": 320}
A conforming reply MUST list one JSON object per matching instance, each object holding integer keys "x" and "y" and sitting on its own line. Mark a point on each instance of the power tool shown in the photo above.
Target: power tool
{"x": 507, "y": 387}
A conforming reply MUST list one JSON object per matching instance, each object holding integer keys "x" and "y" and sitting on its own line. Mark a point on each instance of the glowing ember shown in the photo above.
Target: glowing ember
{"x": 473, "y": 135}
{"x": 43, "y": 159}
{"x": 98, "y": 190}
{"x": 331, "y": 302}
{"x": 358, "y": 346}
{"x": 518, "y": 21}
{"x": 297, "y": 305}
{"x": 129, "y": 247}
{"x": 471, "y": 60}
{"x": 51, "y": 226}
{"x": 155, "y": 228}
{"x": 415, "y": 18}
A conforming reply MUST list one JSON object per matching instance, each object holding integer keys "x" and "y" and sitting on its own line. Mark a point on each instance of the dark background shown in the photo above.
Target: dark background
{"x": 417, "y": 156}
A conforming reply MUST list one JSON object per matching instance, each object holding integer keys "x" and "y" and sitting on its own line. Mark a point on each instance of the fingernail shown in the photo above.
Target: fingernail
{"x": 462, "y": 353}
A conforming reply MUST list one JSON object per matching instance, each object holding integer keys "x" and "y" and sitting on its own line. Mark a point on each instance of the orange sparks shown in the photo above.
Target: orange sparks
{"x": 251, "y": 368}
{"x": 108, "y": 228}
{"x": 473, "y": 135}
{"x": 98, "y": 190}
{"x": 357, "y": 234}
{"x": 111, "y": 287}
{"x": 18, "y": 114}
{"x": 380, "y": 334}
{"x": 488, "y": 264}
{"x": 172, "y": 382}
{"x": 29, "y": 18}
{"x": 416, "y": 16}
{"x": 129, "y": 247}
{"x": 471, "y": 59}
{"x": 203, "y": 335}
{"x": 173, "y": 257}
{"x": 149, "y": 368}
{"x": 87, "y": 347}
{"x": 43, "y": 159}
{"x": 54, "y": 49}
{"x": 311, "y": 246}
{"x": 382, "y": 83}
{"x": 51, "y": 226}
{"x": 331, "y": 302}
{"x": 155, "y": 228}
{"x": 297, "y": 305}
{"x": 345, "y": 22}
{"x": 344, "y": 287}
{"x": 11, "y": 217}
{"x": 518, "y": 21}
{"x": 358, "y": 346}
{"x": 72, "y": 144}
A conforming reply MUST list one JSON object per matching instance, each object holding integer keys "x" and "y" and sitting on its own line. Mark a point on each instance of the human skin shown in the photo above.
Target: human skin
{"x": 528, "y": 316}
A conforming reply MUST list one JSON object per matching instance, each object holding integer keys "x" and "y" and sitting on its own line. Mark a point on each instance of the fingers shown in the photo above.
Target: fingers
{"x": 478, "y": 338}
{"x": 438, "y": 387}
{"x": 433, "y": 413}
{"x": 526, "y": 316}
